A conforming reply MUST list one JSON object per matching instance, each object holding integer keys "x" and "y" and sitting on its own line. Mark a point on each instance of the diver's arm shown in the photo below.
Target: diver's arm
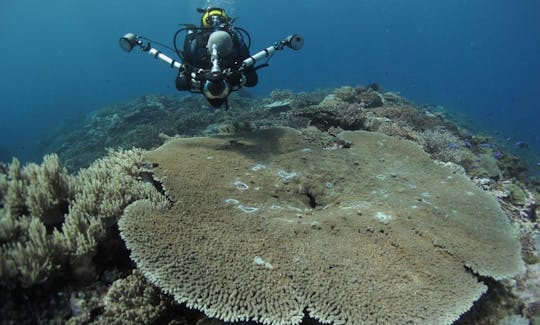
{"x": 160, "y": 56}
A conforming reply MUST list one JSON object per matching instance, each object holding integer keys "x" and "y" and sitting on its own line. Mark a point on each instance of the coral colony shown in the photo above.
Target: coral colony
{"x": 349, "y": 206}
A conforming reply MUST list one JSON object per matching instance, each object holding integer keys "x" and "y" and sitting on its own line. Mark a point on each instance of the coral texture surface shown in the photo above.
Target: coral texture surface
{"x": 268, "y": 225}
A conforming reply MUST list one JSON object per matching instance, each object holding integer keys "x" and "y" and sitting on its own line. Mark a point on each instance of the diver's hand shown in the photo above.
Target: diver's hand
{"x": 235, "y": 77}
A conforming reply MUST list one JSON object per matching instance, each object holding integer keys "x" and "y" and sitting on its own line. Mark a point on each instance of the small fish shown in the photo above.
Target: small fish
{"x": 521, "y": 144}
{"x": 454, "y": 146}
{"x": 497, "y": 155}
{"x": 468, "y": 144}
{"x": 486, "y": 145}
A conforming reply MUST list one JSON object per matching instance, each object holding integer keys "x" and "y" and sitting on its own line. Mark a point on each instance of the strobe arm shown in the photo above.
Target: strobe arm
{"x": 130, "y": 40}
{"x": 295, "y": 42}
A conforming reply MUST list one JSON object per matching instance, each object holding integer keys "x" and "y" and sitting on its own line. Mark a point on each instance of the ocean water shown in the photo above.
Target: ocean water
{"x": 60, "y": 59}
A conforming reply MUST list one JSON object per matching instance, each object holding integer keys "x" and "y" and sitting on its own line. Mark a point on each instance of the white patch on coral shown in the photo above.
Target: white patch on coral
{"x": 383, "y": 217}
{"x": 384, "y": 192}
{"x": 381, "y": 177}
{"x": 287, "y": 176}
{"x": 285, "y": 220}
{"x": 258, "y": 167}
{"x": 260, "y": 262}
{"x": 356, "y": 205}
{"x": 334, "y": 146}
{"x": 247, "y": 209}
{"x": 306, "y": 150}
{"x": 287, "y": 208}
{"x": 240, "y": 185}
{"x": 232, "y": 201}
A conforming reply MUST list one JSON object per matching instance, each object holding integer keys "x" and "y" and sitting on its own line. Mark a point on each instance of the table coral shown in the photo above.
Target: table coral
{"x": 279, "y": 247}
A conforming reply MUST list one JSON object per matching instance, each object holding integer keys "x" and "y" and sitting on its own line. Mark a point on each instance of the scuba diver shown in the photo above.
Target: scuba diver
{"x": 230, "y": 41}
{"x": 215, "y": 58}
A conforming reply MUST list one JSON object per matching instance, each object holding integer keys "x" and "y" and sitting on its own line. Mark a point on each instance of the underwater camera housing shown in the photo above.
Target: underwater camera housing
{"x": 215, "y": 86}
{"x": 219, "y": 45}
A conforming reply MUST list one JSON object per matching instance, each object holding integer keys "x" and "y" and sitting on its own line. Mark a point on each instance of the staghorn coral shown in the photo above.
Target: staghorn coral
{"x": 265, "y": 227}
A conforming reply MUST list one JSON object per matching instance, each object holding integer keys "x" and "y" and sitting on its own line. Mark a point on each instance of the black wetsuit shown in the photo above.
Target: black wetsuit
{"x": 196, "y": 57}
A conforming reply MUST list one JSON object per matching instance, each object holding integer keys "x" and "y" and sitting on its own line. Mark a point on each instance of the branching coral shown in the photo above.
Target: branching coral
{"x": 102, "y": 191}
{"x": 38, "y": 195}
{"x": 47, "y": 189}
{"x": 134, "y": 300}
{"x": 3, "y": 187}
{"x": 38, "y": 190}
{"x": 333, "y": 112}
{"x": 26, "y": 251}
{"x": 443, "y": 145}
{"x": 367, "y": 98}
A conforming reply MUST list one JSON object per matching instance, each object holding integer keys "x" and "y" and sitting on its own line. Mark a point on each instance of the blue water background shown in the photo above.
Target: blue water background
{"x": 60, "y": 58}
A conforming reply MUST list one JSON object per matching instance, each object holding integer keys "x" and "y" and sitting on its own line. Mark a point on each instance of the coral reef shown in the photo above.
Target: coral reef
{"x": 297, "y": 226}
{"x": 133, "y": 301}
{"x": 41, "y": 191}
{"x": 62, "y": 259}
{"x": 443, "y": 145}
{"x": 140, "y": 123}
{"x": 31, "y": 249}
